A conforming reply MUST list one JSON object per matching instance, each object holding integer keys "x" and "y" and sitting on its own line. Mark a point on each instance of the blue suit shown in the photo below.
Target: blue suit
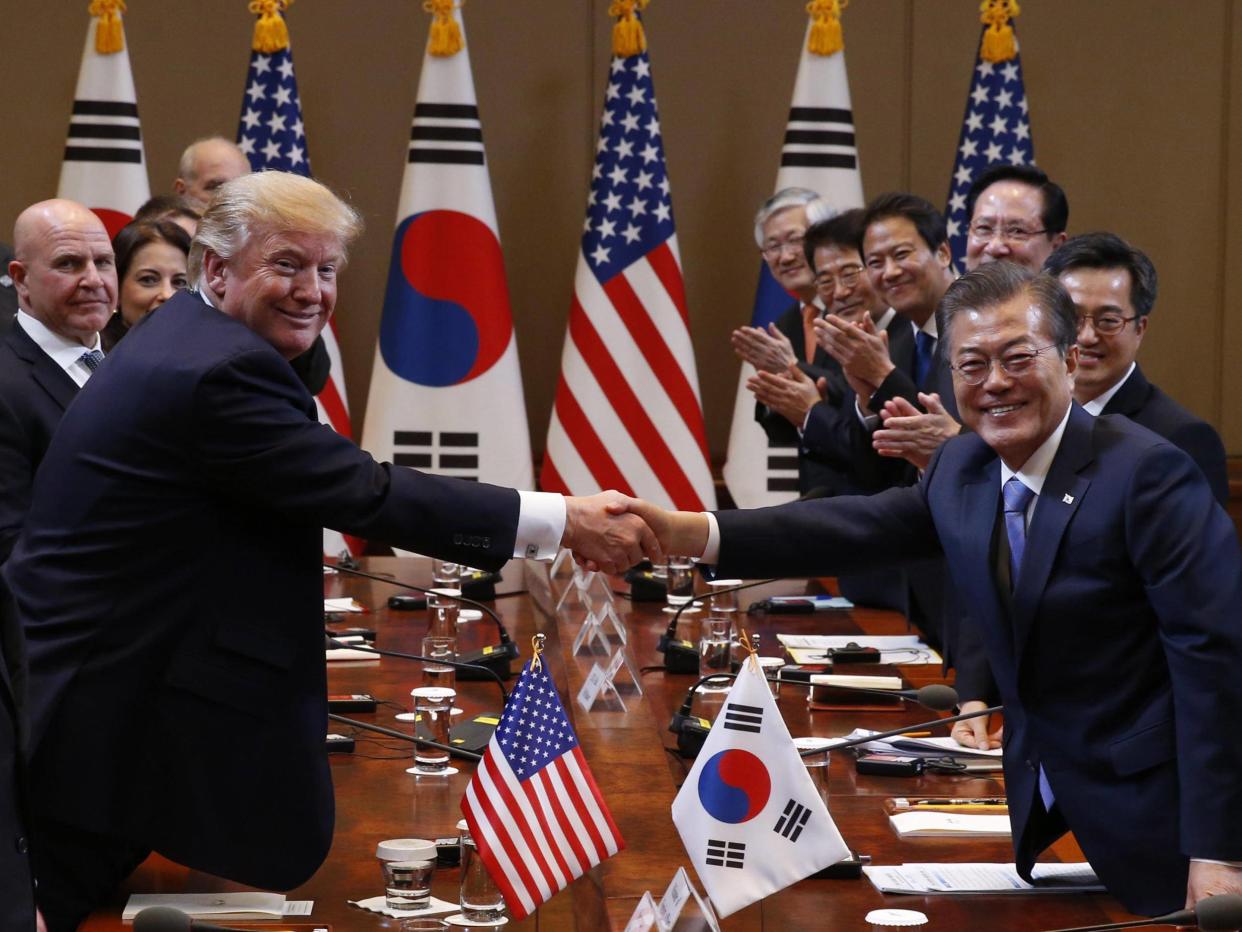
{"x": 168, "y": 578}
{"x": 1117, "y": 657}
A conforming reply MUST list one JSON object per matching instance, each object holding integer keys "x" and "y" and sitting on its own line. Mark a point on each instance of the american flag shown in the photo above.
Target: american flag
{"x": 273, "y": 137}
{"x": 627, "y": 413}
{"x": 532, "y": 806}
{"x": 996, "y": 128}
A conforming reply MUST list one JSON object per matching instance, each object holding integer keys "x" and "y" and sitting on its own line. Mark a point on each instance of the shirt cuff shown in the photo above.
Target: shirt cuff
{"x": 541, "y": 525}
{"x": 1234, "y": 864}
{"x": 711, "y": 553}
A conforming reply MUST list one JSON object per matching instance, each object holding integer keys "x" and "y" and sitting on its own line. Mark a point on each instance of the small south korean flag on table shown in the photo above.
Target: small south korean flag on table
{"x": 748, "y": 813}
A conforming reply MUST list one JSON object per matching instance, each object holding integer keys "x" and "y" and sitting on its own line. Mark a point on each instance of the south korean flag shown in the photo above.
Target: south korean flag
{"x": 748, "y": 813}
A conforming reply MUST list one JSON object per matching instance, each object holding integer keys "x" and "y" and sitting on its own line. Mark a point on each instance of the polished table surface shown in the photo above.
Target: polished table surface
{"x": 630, "y": 757}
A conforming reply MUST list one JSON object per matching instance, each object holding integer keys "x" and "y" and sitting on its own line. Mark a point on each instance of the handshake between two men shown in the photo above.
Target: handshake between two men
{"x": 611, "y": 532}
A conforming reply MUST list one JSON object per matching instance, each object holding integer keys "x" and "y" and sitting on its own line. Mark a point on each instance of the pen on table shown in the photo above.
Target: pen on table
{"x": 962, "y": 801}
{"x": 914, "y": 734}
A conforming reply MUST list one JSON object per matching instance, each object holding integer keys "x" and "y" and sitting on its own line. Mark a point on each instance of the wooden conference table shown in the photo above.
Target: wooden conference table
{"x": 627, "y": 751}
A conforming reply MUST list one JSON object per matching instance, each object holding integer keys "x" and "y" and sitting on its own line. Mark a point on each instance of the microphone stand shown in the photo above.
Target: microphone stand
{"x": 495, "y": 659}
{"x": 682, "y": 656}
{"x": 393, "y": 733}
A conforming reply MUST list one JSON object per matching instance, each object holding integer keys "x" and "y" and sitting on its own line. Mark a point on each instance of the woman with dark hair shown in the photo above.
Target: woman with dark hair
{"x": 150, "y": 267}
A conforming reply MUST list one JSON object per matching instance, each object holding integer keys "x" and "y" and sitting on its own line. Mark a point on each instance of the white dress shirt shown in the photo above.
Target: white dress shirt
{"x": 65, "y": 353}
{"x": 1096, "y": 405}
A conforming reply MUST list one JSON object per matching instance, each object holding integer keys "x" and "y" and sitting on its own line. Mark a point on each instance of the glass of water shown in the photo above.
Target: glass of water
{"x": 433, "y": 705}
{"x": 439, "y": 674}
{"x": 480, "y": 899}
{"x": 715, "y": 641}
{"x": 445, "y": 574}
{"x": 443, "y": 606}
{"x": 680, "y": 584}
{"x": 407, "y": 864}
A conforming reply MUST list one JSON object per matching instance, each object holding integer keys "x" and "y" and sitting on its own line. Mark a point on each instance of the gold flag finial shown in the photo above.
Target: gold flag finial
{"x": 628, "y": 38}
{"x": 445, "y": 37}
{"x": 825, "y": 37}
{"x": 109, "y": 36}
{"x": 998, "y": 41}
{"x": 751, "y": 650}
{"x": 270, "y": 32}
{"x": 536, "y": 649}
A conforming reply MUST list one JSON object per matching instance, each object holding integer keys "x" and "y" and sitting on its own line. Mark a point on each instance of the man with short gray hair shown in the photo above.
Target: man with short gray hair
{"x": 168, "y": 575}
{"x": 205, "y": 165}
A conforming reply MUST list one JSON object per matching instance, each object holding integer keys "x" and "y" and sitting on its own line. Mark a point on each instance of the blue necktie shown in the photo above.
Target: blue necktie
{"x": 924, "y": 347}
{"x": 91, "y": 359}
{"x": 1017, "y": 498}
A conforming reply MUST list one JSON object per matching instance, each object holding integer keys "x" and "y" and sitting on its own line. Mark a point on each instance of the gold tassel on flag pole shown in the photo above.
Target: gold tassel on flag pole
{"x": 998, "y": 41}
{"x": 109, "y": 36}
{"x": 536, "y": 649}
{"x": 628, "y": 38}
{"x": 270, "y": 32}
{"x": 445, "y": 37}
{"x": 825, "y": 37}
{"x": 752, "y": 651}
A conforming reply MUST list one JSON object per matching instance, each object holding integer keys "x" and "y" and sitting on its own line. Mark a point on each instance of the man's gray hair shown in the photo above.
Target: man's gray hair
{"x": 185, "y": 167}
{"x": 782, "y": 200}
{"x": 269, "y": 202}
{"x": 994, "y": 284}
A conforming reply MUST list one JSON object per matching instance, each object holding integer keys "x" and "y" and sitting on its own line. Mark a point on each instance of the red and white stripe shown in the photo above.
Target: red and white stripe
{"x": 627, "y": 414}
{"x": 535, "y": 837}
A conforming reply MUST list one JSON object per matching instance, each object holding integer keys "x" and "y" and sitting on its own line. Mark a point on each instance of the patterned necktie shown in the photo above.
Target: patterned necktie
{"x": 924, "y": 347}
{"x": 1017, "y": 498}
{"x": 91, "y": 359}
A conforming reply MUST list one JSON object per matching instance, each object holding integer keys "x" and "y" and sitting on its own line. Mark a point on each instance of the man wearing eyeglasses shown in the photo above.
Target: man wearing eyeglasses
{"x": 1016, "y": 215}
{"x": 1102, "y": 577}
{"x": 780, "y": 227}
{"x": 823, "y": 412}
{"x": 1113, "y": 285}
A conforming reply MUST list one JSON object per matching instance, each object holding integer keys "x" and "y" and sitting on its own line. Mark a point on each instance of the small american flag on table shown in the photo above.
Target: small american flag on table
{"x": 533, "y": 808}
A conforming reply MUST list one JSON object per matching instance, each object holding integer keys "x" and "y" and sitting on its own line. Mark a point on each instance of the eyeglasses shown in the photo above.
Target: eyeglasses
{"x": 847, "y": 277}
{"x": 774, "y": 250}
{"x": 1107, "y": 323}
{"x": 976, "y": 369}
{"x": 984, "y": 231}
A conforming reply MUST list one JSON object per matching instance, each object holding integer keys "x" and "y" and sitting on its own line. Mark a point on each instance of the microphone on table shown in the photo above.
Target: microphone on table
{"x": 496, "y": 659}
{"x": 478, "y": 671}
{"x": 1220, "y": 913}
{"x": 681, "y": 656}
{"x": 413, "y": 739}
{"x": 169, "y": 919}
{"x": 896, "y": 732}
{"x": 692, "y": 731}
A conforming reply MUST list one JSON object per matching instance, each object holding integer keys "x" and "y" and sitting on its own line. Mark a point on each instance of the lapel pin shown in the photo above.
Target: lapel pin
{"x": 1067, "y": 498}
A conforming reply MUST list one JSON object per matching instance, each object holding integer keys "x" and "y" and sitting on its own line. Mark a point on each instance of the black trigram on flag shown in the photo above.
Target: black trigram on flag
{"x": 820, "y": 137}
{"x": 782, "y": 468}
{"x": 725, "y": 853}
{"x": 446, "y": 133}
{"x": 104, "y": 131}
{"x": 793, "y": 820}
{"x": 446, "y": 452}
{"x": 743, "y": 717}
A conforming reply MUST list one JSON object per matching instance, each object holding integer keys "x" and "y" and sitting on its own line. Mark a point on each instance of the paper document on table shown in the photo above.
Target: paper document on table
{"x": 949, "y": 824}
{"x": 220, "y": 907}
{"x": 893, "y": 648}
{"x": 919, "y": 747}
{"x": 982, "y": 878}
{"x": 339, "y": 606}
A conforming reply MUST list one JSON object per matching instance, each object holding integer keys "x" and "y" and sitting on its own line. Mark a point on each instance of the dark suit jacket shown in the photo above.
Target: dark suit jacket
{"x": 8, "y": 294}
{"x": 17, "y": 906}
{"x": 1144, "y": 403}
{"x": 1118, "y": 664}
{"x": 168, "y": 577}
{"x": 34, "y": 392}
{"x": 813, "y": 472}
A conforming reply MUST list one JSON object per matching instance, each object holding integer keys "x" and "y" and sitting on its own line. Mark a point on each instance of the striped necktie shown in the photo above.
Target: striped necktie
{"x": 91, "y": 359}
